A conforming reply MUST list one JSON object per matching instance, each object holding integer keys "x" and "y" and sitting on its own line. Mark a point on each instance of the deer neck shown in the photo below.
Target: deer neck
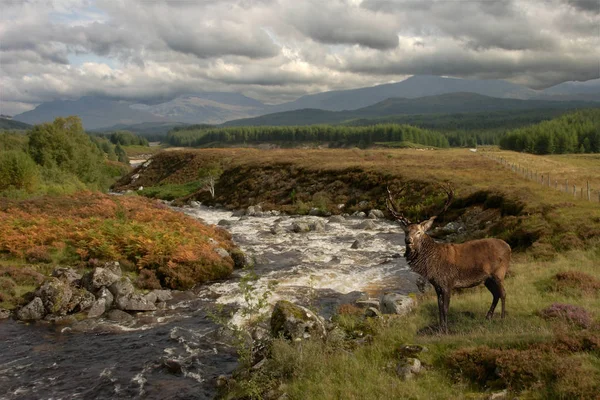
{"x": 421, "y": 260}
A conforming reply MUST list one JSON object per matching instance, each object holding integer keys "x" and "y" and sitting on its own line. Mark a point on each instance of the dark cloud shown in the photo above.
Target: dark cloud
{"x": 276, "y": 50}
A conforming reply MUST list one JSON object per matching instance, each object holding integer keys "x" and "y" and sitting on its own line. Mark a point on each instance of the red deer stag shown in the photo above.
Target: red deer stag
{"x": 447, "y": 266}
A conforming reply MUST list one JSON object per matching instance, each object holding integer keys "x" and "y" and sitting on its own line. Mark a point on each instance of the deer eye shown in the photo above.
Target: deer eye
{"x": 419, "y": 233}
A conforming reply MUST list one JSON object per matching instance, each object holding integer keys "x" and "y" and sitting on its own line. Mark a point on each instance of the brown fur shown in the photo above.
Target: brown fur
{"x": 448, "y": 266}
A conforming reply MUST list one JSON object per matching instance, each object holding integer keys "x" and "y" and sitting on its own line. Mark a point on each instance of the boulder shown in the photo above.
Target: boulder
{"x": 105, "y": 294}
{"x": 357, "y": 244}
{"x": 4, "y": 313}
{"x": 337, "y": 219}
{"x": 300, "y": 227}
{"x": 114, "y": 267}
{"x": 119, "y": 316}
{"x": 221, "y": 252}
{"x": 376, "y": 214}
{"x": 411, "y": 350}
{"x": 81, "y": 300}
{"x": 295, "y": 322}
{"x": 408, "y": 367}
{"x": 121, "y": 288}
{"x": 195, "y": 204}
{"x": 55, "y": 295}
{"x": 276, "y": 229}
{"x": 163, "y": 295}
{"x": 317, "y": 226}
{"x": 372, "y": 312}
{"x": 359, "y": 214}
{"x": 367, "y": 225}
{"x": 394, "y": 303}
{"x": 33, "y": 311}
{"x": 241, "y": 259}
{"x": 368, "y": 303}
{"x": 224, "y": 222}
{"x": 98, "y": 308}
{"x": 67, "y": 275}
{"x": 151, "y": 297}
{"x": 254, "y": 211}
{"x": 135, "y": 302}
{"x": 103, "y": 277}
{"x": 314, "y": 211}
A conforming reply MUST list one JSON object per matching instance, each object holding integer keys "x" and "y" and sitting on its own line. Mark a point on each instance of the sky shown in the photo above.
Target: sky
{"x": 279, "y": 50}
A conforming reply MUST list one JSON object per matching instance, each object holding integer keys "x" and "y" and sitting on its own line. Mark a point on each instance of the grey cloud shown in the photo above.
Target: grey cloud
{"x": 592, "y": 6}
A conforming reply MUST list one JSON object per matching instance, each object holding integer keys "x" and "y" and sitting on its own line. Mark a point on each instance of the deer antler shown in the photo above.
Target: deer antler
{"x": 450, "y": 193}
{"x": 389, "y": 202}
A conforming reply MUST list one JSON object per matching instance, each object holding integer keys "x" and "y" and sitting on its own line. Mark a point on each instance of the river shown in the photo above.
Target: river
{"x": 105, "y": 360}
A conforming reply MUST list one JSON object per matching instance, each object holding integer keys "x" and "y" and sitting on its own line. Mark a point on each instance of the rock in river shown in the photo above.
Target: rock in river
{"x": 33, "y": 311}
{"x": 295, "y": 322}
{"x": 394, "y": 303}
{"x": 55, "y": 295}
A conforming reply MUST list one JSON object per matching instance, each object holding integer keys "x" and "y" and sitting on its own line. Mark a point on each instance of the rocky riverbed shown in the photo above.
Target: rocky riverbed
{"x": 174, "y": 349}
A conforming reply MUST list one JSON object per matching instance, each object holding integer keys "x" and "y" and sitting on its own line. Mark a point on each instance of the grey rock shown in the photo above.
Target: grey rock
{"x": 147, "y": 163}
{"x": 161, "y": 305}
{"x": 108, "y": 297}
{"x": 103, "y": 277}
{"x": 241, "y": 259}
{"x": 359, "y": 214}
{"x": 224, "y": 222}
{"x": 135, "y": 302}
{"x": 314, "y": 211}
{"x": 275, "y": 213}
{"x": 363, "y": 204}
{"x": 367, "y": 225}
{"x": 163, "y": 295}
{"x": 195, "y": 203}
{"x": 317, "y": 226}
{"x": 67, "y": 275}
{"x": 4, "y": 313}
{"x": 114, "y": 267}
{"x": 81, "y": 300}
{"x": 276, "y": 229}
{"x": 337, "y": 219}
{"x": 368, "y": 303}
{"x": 121, "y": 288}
{"x": 422, "y": 284}
{"x": 238, "y": 213}
{"x": 376, "y": 214}
{"x": 394, "y": 303}
{"x": 55, "y": 295}
{"x": 295, "y": 322}
{"x": 372, "y": 312}
{"x": 221, "y": 252}
{"x": 357, "y": 244}
{"x": 33, "y": 311}
{"x": 408, "y": 367}
{"x": 151, "y": 297}
{"x": 253, "y": 211}
{"x": 300, "y": 227}
{"x": 97, "y": 309}
{"x": 501, "y": 395}
{"x": 119, "y": 316}
{"x": 412, "y": 350}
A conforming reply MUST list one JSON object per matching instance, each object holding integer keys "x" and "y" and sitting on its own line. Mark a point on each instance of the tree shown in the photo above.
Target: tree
{"x": 209, "y": 176}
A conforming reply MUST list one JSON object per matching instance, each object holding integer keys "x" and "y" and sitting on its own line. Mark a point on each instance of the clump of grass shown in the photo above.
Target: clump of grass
{"x": 570, "y": 313}
{"x": 575, "y": 283}
{"x": 147, "y": 280}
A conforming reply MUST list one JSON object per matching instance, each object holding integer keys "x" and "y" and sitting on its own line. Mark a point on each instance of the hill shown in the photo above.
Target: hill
{"x": 152, "y": 129}
{"x": 10, "y": 124}
{"x": 441, "y": 104}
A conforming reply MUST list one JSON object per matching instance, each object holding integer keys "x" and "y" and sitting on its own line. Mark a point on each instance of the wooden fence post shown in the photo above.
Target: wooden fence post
{"x": 589, "y": 195}
{"x": 574, "y": 191}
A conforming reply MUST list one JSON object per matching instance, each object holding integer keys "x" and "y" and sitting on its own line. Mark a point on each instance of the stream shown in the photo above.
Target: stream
{"x": 178, "y": 353}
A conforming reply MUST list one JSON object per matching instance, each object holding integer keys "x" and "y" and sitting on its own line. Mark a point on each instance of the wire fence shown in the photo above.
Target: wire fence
{"x": 584, "y": 192}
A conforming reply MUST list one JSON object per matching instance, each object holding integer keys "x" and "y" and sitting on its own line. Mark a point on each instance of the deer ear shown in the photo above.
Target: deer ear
{"x": 426, "y": 225}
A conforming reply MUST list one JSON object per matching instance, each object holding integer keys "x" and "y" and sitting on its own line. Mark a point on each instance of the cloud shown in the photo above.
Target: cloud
{"x": 276, "y": 50}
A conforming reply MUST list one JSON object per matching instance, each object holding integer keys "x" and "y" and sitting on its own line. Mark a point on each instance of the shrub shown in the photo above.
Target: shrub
{"x": 147, "y": 280}
{"x": 18, "y": 170}
{"x": 38, "y": 254}
{"x": 575, "y": 283}
{"x": 572, "y": 314}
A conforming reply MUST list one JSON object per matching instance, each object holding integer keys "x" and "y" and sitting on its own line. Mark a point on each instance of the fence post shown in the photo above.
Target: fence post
{"x": 566, "y": 186}
{"x": 589, "y": 195}
{"x": 574, "y": 191}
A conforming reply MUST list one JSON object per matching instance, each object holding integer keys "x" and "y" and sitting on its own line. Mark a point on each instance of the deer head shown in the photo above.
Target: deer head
{"x": 415, "y": 232}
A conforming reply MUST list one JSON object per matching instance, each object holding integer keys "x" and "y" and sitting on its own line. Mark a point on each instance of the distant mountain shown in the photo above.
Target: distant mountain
{"x": 10, "y": 124}
{"x": 414, "y": 87}
{"x": 588, "y": 90}
{"x": 442, "y": 104}
{"x": 97, "y": 112}
{"x": 208, "y": 108}
{"x": 94, "y": 112}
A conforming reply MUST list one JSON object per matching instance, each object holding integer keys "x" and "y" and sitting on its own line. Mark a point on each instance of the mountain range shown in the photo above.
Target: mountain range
{"x": 217, "y": 107}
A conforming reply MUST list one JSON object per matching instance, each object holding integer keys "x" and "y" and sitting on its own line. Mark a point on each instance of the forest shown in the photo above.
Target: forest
{"x": 335, "y": 135}
{"x": 577, "y": 132}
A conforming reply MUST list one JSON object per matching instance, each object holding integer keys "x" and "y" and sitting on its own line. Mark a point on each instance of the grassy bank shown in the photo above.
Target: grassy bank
{"x": 156, "y": 245}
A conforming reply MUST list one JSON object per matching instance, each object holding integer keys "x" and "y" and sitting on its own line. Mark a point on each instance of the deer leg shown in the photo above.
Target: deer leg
{"x": 494, "y": 288}
{"x": 502, "y": 295}
{"x": 446, "y": 299}
{"x": 441, "y": 309}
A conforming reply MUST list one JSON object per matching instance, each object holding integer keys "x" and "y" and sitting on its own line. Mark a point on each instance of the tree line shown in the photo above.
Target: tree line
{"x": 577, "y": 132}
{"x": 334, "y": 135}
